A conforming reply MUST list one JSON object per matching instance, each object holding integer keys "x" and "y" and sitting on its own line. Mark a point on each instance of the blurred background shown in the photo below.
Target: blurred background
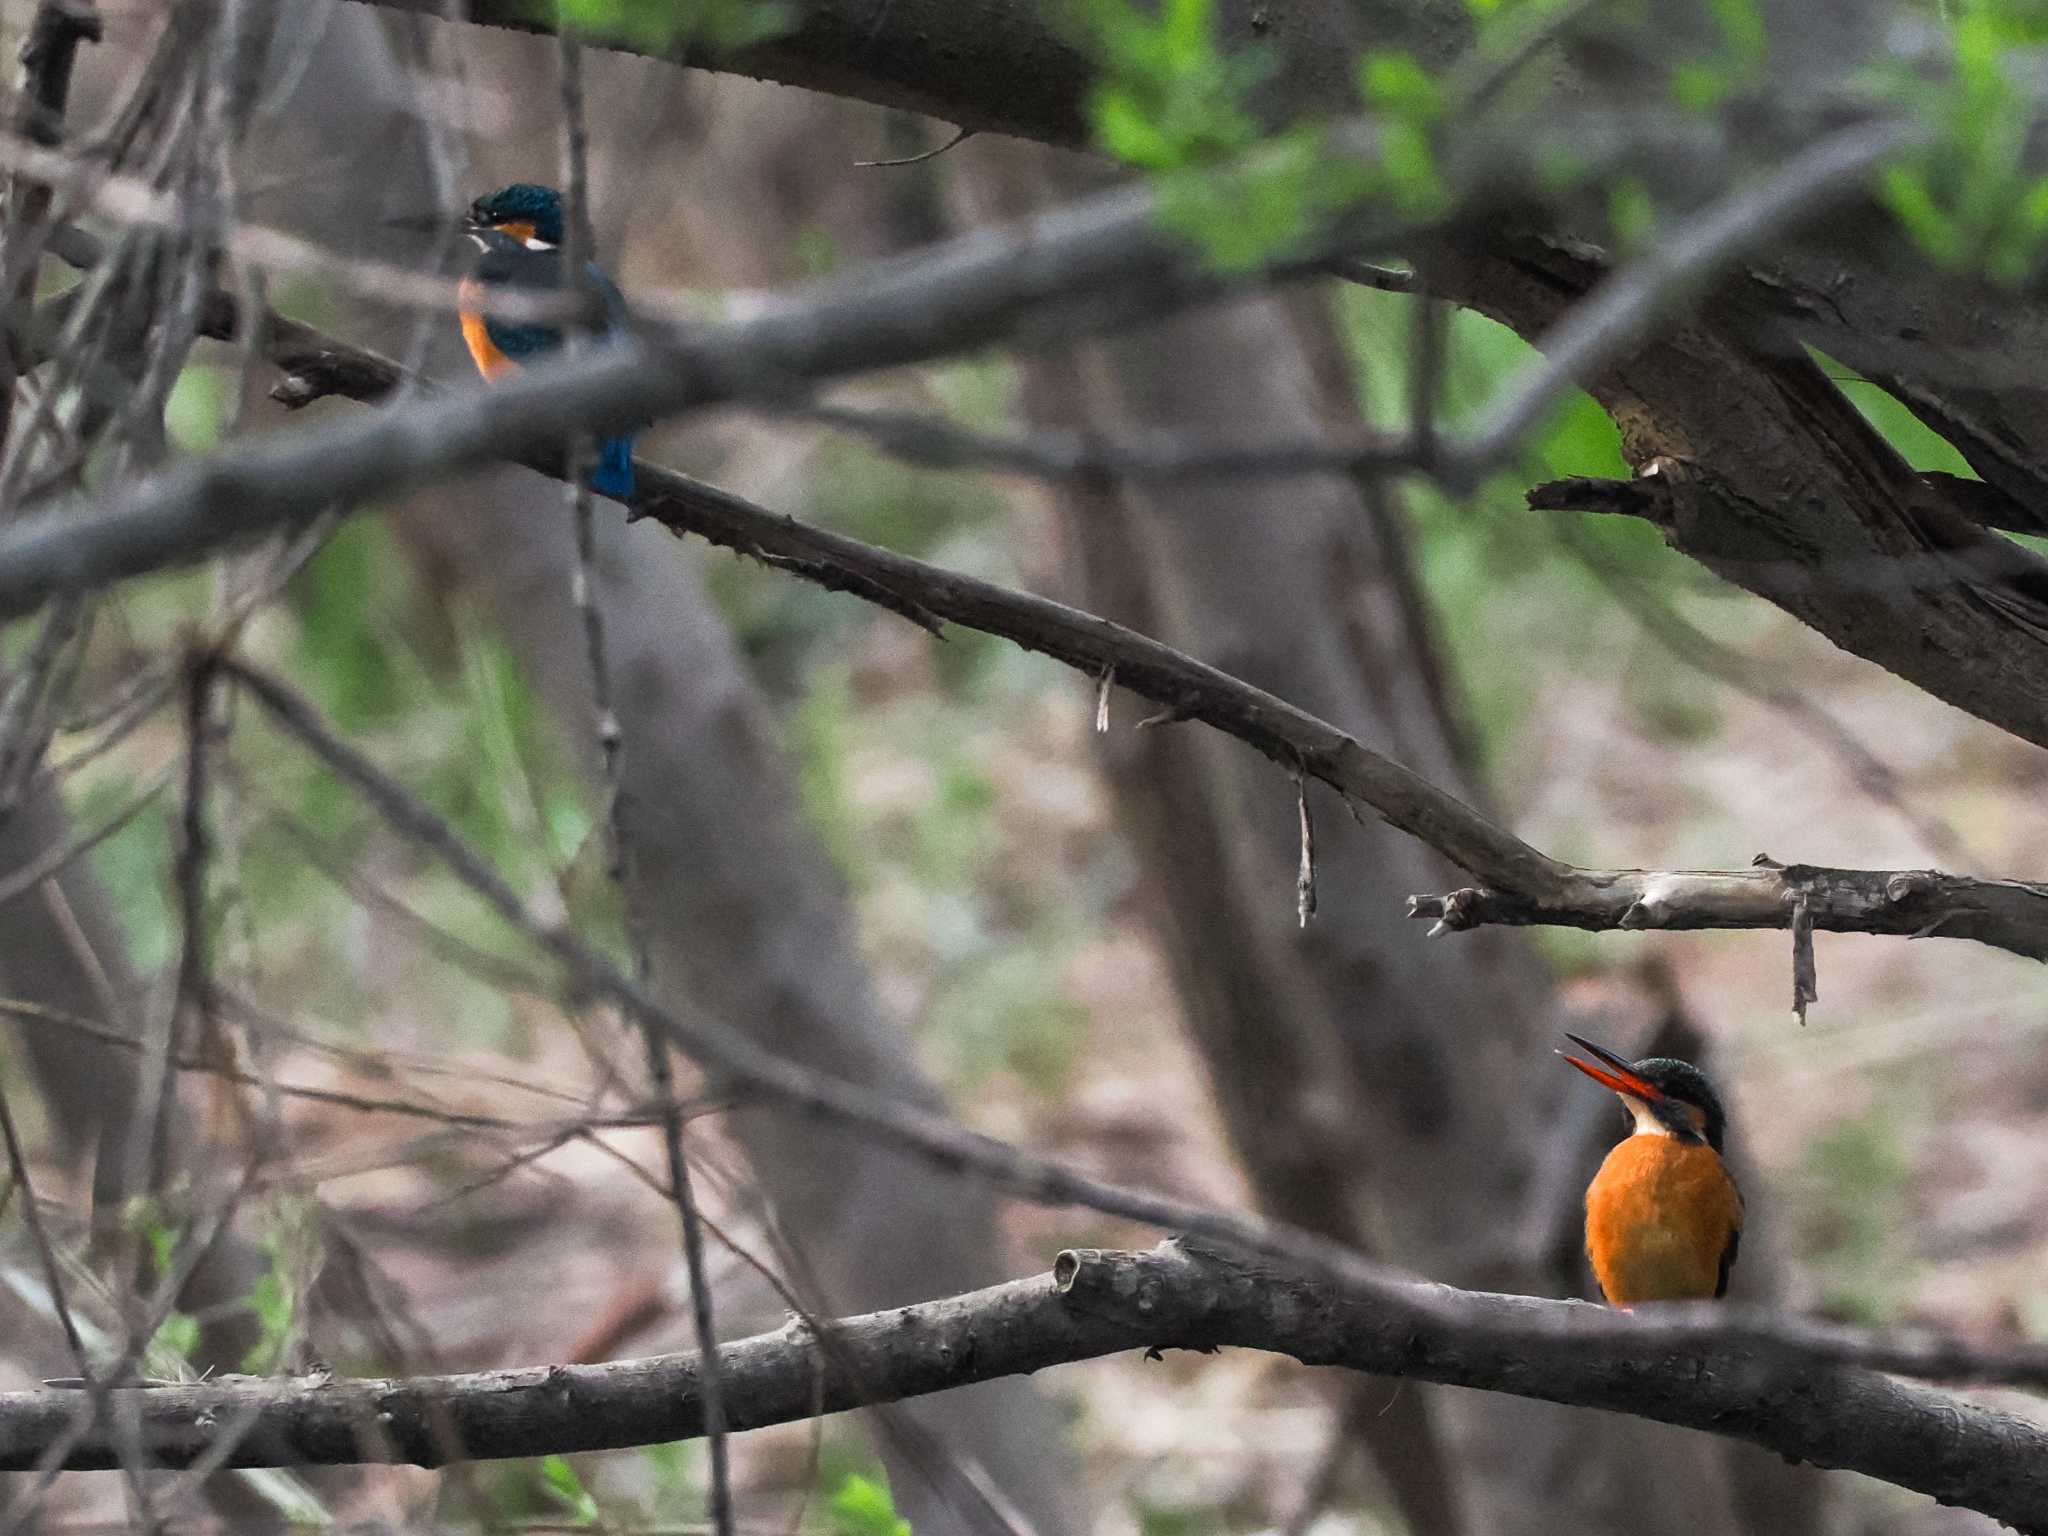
{"x": 917, "y": 864}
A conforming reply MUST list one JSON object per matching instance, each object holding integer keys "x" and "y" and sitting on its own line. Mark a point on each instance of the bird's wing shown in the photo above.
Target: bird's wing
{"x": 1727, "y": 1262}
{"x": 522, "y": 341}
{"x": 508, "y": 266}
{"x": 616, "y": 316}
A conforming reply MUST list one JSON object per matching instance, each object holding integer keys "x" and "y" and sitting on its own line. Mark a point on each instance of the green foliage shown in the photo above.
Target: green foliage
{"x": 1911, "y": 438}
{"x": 1631, "y": 213}
{"x": 560, "y": 1480}
{"x": 863, "y": 1506}
{"x": 1170, "y": 100}
{"x": 130, "y": 866}
{"x": 349, "y": 602}
{"x": 672, "y": 1482}
{"x": 1968, "y": 199}
{"x": 817, "y": 252}
{"x": 291, "y": 1246}
{"x": 177, "y": 1338}
{"x": 1169, "y": 97}
{"x": 196, "y": 412}
{"x": 1501, "y": 582}
{"x": 820, "y": 731}
{"x": 1858, "y": 1177}
{"x": 716, "y": 26}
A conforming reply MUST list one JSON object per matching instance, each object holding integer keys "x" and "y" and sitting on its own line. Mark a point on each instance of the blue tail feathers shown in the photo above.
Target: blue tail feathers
{"x": 612, "y": 474}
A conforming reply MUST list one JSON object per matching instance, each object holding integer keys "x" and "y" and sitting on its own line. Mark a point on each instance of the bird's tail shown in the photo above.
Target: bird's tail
{"x": 612, "y": 474}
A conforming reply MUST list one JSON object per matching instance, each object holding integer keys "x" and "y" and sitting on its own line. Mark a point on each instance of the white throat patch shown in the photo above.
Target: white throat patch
{"x": 1647, "y": 1123}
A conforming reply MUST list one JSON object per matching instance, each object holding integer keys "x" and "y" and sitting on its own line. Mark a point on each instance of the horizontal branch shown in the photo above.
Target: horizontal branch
{"x": 1093, "y": 1303}
{"x": 1910, "y": 903}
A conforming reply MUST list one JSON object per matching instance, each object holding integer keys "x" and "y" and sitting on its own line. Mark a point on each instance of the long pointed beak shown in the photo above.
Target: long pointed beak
{"x": 1621, "y": 1078}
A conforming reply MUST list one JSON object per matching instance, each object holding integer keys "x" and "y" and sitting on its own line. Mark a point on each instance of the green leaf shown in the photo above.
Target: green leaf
{"x": 179, "y": 1336}
{"x": 1394, "y": 82}
{"x": 863, "y": 1506}
{"x": 560, "y": 1479}
{"x": 717, "y": 26}
{"x": 1907, "y": 192}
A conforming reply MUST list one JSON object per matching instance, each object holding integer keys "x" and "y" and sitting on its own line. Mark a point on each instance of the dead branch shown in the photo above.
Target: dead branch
{"x": 1724, "y": 1376}
{"x": 1910, "y": 903}
{"x": 1521, "y": 885}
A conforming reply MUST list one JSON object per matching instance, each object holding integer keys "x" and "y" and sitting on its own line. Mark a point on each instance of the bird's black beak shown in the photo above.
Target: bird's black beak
{"x": 1616, "y": 1073}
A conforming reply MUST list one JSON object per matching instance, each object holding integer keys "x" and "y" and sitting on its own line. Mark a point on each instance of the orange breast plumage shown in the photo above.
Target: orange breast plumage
{"x": 1662, "y": 1219}
{"x": 490, "y": 362}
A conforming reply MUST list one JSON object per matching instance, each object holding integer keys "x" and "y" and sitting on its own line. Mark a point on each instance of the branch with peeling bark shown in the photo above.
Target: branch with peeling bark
{"x": 1096, "y": 1303}
{"x": 1909, "y": 903}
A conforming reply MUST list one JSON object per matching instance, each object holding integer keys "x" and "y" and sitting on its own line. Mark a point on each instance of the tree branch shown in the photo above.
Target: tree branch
{"x": 1096, "y": 1303}
{"x": 1912, "y": 903}
{"x": 1523, "y": 885}
{"x": 1789, "y": 485}
{"x": 1100, "y": 262}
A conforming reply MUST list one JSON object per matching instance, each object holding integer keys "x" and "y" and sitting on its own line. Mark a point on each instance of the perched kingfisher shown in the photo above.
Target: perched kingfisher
{"x": 1663, "y": 1215}
{"x": 518, "y": 232}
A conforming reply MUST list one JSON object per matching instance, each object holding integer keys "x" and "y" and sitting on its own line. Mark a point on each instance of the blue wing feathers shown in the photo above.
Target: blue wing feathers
{"x": 516, "y": 267}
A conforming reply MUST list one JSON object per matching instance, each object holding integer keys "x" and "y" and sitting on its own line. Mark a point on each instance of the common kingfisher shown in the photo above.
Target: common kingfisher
{"x": 1663, "y": 1215}
{"x": 518, "y": 233}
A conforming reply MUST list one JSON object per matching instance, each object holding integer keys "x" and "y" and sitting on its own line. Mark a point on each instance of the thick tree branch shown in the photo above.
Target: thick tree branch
{"x": 1096, "y": 1303}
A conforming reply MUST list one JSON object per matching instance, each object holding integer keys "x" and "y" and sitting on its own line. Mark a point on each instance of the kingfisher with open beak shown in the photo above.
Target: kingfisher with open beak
{"x": 1663, "y": 1215}
{"x": 518, "y": 234}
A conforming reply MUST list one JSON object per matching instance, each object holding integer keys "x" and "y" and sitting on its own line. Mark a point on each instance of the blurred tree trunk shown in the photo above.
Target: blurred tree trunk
{"x": 745, "y": 917}
{"x": 748, "y": 921}
{"x": 1395, "y": 1093}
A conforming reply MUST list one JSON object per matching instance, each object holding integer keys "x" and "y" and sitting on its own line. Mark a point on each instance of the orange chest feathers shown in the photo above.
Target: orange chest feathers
{"x": 490, "y": 362}
{"x": 1662, "y": 1219}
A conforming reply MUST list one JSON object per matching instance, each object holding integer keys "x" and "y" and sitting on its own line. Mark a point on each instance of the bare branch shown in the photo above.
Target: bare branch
{"x": 1104, "y": 261}
{"x": 1757, "y": 1379}
{"x": 1911, "y": 903}
{"x": 1522, "y": 885}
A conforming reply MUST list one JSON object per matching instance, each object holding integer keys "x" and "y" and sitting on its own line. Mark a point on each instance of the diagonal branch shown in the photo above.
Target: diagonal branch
{"x": 1105, "y": 261}
{"x": 1787, "y": 492}
{"x": 1521, "y": 885}
{"x": 1092, "y": 1304}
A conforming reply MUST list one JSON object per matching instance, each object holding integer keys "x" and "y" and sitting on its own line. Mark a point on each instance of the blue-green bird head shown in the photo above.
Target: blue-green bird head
{"x": 524, "y": 211}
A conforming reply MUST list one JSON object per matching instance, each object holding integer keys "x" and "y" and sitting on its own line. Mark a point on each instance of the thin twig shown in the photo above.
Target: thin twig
{"x": 960, "y": 136}
{"x": 610, "y": 738}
